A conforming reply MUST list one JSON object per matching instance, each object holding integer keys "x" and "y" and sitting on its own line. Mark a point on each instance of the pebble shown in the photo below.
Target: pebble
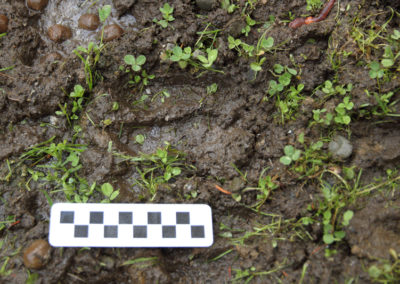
{"x": 59, "y": 33}
{"x": 3, "y": 23}
{"x": 340, "y": 147}
{"x": 37, "y": 254}
{"x": 89, "y": 22}
{"x": 112, "y": 32}
{"x": 37, "y": 4}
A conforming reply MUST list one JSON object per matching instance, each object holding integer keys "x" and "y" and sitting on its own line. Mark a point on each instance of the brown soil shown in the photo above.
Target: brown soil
{"x": 234, "y": 126}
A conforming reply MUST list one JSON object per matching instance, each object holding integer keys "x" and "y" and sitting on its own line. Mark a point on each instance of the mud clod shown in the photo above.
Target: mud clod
{"x": 59, "y": 33}
{"x": 112, "y": 32}
{"x": 3, "y": 23}
{"x": 89, "y": 22}
{"x": 37, "y": 254}
{"x": 37, "y": 5}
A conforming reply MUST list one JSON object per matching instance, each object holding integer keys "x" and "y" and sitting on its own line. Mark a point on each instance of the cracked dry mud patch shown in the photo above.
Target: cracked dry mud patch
{"x": 229, "y": 137}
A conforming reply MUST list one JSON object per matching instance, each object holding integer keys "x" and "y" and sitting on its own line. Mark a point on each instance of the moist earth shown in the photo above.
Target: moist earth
{"x": 228, "y": 137}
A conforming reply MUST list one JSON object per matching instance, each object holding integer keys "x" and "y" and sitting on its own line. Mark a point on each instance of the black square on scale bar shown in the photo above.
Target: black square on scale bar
{"x": 96, "y": 217}
{"x": 125, "y": 217}
{"x": 168, "y": 232}
{"x": 140, "y": 231}
{"x": 153, "y": 217}
{"x": 67, "y": 217}
{"x": 182, "y": 218}
{"x": 197, "y": 231}
{"x": 81, "y": 231}
{"x": 111, "y": 231}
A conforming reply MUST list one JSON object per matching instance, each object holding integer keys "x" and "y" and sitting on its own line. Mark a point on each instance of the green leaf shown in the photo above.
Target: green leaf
{"x": 288, "y": 150}
{"x": 328, "y": 239}
{"x": 285, "y": 160}
{"x": 339, "y": 235}
{"x": 374, "y": 271}
{"x": 129, "y": 59}
{"x": 387, "y": 63}
{"x": 140, "y": 60}
{"x": 278, "y": 68}
{"x": 296, "y": 155}
{"x": 104, "y": 12}
{"x": 114, "y": 195}
{"x": 255, "y": 66}
{"x": 347, "y": 216}
{"x": 107, "y": 189}
{"x": 176, "y": 171}
{"x": 267, "y": 43}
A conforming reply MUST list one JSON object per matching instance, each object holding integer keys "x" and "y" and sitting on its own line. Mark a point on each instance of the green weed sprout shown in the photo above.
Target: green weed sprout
{"x": 91, "y": 55}
{"x": 265, "y": 186}
{"x": 108, "y": 190}
{"x": 135, "y": 63}
{"x": 181, "y": 56}
{"x": 291, "y": 154}
{"x": 167, "y": 12}
{"x": 342, "y": 117}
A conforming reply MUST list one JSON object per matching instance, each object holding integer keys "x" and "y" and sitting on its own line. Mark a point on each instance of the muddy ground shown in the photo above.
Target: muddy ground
{"x": 223, "y": 133}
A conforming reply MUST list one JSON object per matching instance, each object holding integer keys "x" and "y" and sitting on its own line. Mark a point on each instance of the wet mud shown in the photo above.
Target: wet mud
{"x": 232, "y": 131}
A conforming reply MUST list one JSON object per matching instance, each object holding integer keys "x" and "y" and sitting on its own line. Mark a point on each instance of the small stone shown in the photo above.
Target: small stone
{"x": 89, "y": 22}
{"x": 37, "y": 254}
{"x": 340, "y": 147}
{"x": 112, "y": 32}
{"x": 37, "y": 4}
{"x": 3, "y": 23}
{"x": 205, "y": 4}
{"x": 59, "y": 33}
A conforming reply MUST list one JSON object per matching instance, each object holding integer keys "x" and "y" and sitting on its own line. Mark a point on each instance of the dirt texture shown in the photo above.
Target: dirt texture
{"x": 220, "y": 133}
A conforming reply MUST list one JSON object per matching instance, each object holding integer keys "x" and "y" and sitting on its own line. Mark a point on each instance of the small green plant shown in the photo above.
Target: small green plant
{"x": 249, "y": 23}
{"x": 208, "y": 61}
{"x": 313, "y": 5}
{"x": 77, "y": 97}
{"x": 266, "y": 184}
{"x": 284, "y": 75}
{"x": 157, "y": 168}
{"x": 376, "y": 72}
{"x": 61, "y": 170}
{"x": 386, "y": 270}
{"x": 291, "y": 154}
{"x": 321, "y": 116}
{"x": 330, "y": 89}
{"x": 228, "y": 6}
{"x": 104, "y": 13}
{"x": 181, "y": 56}
{"x": 167, "y": 12}
{"x": 90, "y": 56}
{"x": 342, "y": 116}
{"x": 109, "y": 192}
{"x": 263, "y": 45}
{"x": 140, "y": 139}
{"x": 134, "y": 65}
{"x": 200, "y": 59}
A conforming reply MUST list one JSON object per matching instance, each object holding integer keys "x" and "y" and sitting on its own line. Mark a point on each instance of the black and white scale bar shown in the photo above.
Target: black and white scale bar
{"x": 130, "y": 225}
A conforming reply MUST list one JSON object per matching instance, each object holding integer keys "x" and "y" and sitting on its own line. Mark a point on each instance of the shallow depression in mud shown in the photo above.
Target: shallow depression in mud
{"x": 67, "y": 13}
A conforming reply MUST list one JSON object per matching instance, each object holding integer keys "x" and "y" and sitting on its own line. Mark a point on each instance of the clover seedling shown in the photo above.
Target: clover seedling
{"x": 376, "y": 71}
{"x": 211, "y": 57}
{"x": 166, "y": 11}
{"x": 108, "y": 190}
{"x": 181, "y": 56}
{"x": 291, "y": 154}
{"x": 135, "y": 62}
